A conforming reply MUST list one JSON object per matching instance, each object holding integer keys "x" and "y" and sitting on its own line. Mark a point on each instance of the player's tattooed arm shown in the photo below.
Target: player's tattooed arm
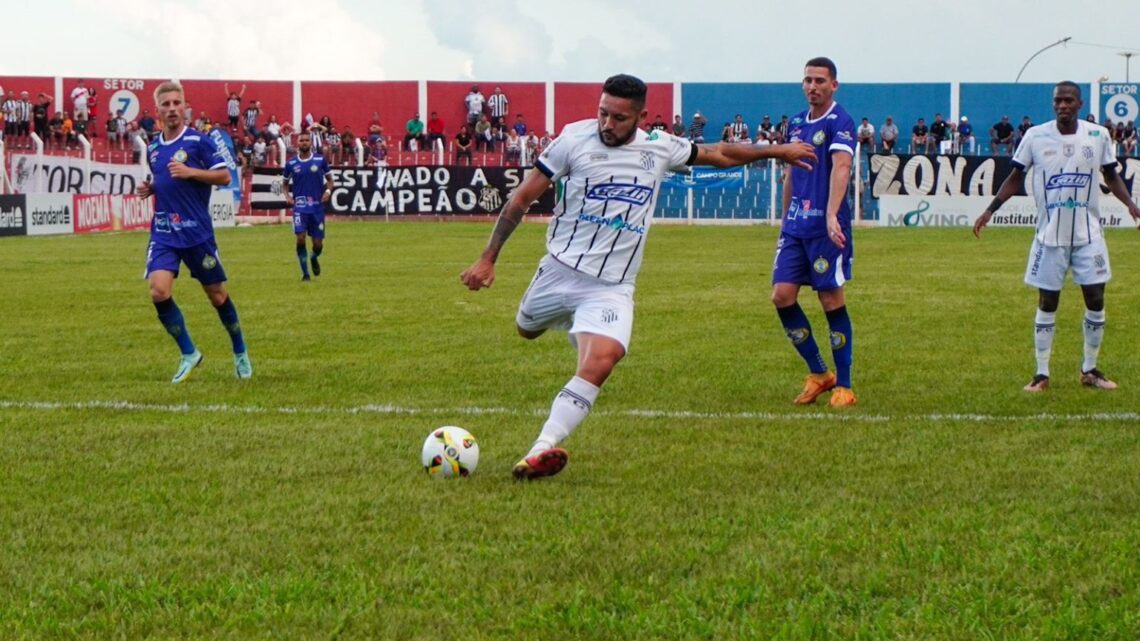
{"x": 508, "y": 220}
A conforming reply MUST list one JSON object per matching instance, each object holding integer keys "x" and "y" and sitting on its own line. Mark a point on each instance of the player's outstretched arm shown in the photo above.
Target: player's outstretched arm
{"x": 1120, "y": 190}
{"x": 723, "y": 154}
{"x": 1007, "y": 190}
{"x": 482, "y": 273}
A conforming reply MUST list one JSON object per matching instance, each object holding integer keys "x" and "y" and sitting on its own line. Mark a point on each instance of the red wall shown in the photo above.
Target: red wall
{"x": 527, "y": 98}
{"x": 31, "y": 84}
{"x": 575, "y": 101}
{"x": 276, "y": 97}
{"x": 352, "y": 103}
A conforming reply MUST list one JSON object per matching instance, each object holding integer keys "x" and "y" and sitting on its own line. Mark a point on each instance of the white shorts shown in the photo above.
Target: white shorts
{"x": 562, "y": 298}
{"x": 1048, "y": 265}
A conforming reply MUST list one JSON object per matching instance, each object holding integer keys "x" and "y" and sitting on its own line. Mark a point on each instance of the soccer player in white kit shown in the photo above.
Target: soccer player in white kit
{"x": 1064, "y": 156}
{"x": 595, "y": 242}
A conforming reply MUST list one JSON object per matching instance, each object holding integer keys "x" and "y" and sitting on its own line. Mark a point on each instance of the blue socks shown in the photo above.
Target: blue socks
{"x": 303, "y": 258}
{"x": 228, "y": 313}
{"x": 798, "y": 329}
{"x": 171, "y": 318}
{"x": 840, "y": 324}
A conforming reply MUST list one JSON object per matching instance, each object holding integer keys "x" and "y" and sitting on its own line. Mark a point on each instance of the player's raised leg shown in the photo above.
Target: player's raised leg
{"x": 161, "y": 284}
{"x": 1094, "y": 334}
{"x": 597, "y": 356}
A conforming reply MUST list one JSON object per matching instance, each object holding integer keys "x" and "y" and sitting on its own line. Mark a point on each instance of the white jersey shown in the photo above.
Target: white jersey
{"x": 474, "y": 103}
{"x": 1065, "y": 182}
{"x": 599, "y": 227}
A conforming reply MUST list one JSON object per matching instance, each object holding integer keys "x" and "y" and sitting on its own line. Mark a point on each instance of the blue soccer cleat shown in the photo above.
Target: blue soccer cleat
{"x": 186, "y": 366}
{"x": 243, "y": 368}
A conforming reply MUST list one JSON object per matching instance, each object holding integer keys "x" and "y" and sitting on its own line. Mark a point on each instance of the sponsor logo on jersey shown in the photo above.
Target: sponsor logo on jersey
{"x": 1068, "y": 181}
{"x": 843, "y": 135}
{"x": 1067, "y": 204}
{"x": 616, "y": 223}
{"x": 625, "y": 193}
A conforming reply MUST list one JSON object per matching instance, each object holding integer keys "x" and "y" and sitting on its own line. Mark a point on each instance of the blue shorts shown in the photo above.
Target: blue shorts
{"x": 813, "y": 261}
{"x": 312, "y": 224}
{"x": 203, "y": 260}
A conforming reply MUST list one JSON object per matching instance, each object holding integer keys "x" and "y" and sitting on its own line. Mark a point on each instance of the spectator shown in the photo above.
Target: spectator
{"x": 1001, "y": 134}
{"x": 1091, "y": 118}
{"x": 435, "y": 128}
{"x": 697, "y": 128}
{"x": 348, "y": 146}
{"x": 272, "y": 130}
{"x": 766, "y": 128}
{"x": 116, "y": 130}
{"x": 259, "y": 151}
{"x": 498, "y": 137}
{"x": 333, "y": 145}
{"x": 463, "y": 142}
{"x": 8, "y": 115}
{"x": 133, "y": 132}
{"x": 740, "y": 131}
{"x": 287, "y": 132}
{"x": 414, "y": 134}
{"x": 188, "y": 114}
{"x": 939, "y": 131}
{"x": 545, "y": 141}
{"x": 245, "y": 154}
{"x": 500, "y": 106}
{"x": 659, "y": 124}
{"x": 252, "y": 112}
{"x": 920, "y": 136}
{"x": 531, "y": 145}
{"x": 678, "y": 127}
{"x": 80, "y": 126}
{"x": 513, "y": 147}
{"x": 233, "y": 106}
{"x": 24, "y": 120}
{"x": 520, "y": 125}
{"x": 79, "y": 98}
{"x": 1129, "y": 138}
{"x": 475, "y": 102}
{"x": 92, "y": 111}
{"x": 1026, "y": 123}
{"x": 1118, "y": 136}
{"x": 726, "y": 132}
{"x": 889, "y": 134}
{"x": 378, "y": 156}
{"x": 375, "y": 128}
{"x": 965, "y": 136}
{"x": 68, "y": 131}
{"x": 483, "y": 133}
{"x": 41, "y": 112}
{"x": 866, "y": 135}
{"x": 55, "y": 125}
{"x": 781, "y": 132}
{"x": 146, "y": 124}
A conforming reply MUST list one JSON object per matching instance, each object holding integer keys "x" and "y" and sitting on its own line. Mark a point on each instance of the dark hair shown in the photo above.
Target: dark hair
{"x": 626, "y": 86}
{"x": 823, "y": 62}
{"x": 1072, "y": 85}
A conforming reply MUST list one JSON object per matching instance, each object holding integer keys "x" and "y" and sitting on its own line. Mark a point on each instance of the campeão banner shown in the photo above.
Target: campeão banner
{"x": 433, "y": 190}
{"x": 916, "y": 175}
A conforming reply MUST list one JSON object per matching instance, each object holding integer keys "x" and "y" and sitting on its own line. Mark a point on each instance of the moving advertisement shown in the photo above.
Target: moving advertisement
{"x": 964, "y": 211}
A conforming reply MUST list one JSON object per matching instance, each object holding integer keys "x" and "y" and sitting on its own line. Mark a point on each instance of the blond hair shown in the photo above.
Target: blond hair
{"x": 168, "y": 87}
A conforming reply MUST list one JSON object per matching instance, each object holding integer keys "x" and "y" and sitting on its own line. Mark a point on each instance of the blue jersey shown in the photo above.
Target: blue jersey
{"x": 306, "y": 180}
{"x": 182, "y": 207}
{"x": 834, "y": 131}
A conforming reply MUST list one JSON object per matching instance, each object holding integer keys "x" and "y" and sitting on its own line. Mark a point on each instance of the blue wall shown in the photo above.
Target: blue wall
{"x": 986, "y": 103}
{"x": 720, "y": 102}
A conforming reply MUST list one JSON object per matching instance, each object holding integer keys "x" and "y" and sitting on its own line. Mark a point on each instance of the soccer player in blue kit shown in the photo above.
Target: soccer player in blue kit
{"x": 185, "y": 164}
{"x": 815, "y": 245}
{"x": 310, "y": 186}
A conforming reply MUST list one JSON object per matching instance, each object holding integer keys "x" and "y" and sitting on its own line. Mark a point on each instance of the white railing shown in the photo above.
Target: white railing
{"x": 86, "y": 144}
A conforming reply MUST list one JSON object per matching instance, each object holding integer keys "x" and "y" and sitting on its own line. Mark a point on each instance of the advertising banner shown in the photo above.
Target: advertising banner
{"x": 64, "y": 174}
{"x": 93, "y": 213}
{"x": 50, "y": 214}
{"x": 964, "y": 211}
{"x": 962, "y": 175}
{"x": 13, "y": 221}
{"x": 707, "y": 178}
{"x": 433, "y": 190}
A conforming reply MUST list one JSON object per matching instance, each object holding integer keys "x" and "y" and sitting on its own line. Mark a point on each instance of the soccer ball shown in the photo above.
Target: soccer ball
{"x": 450, "y": 451}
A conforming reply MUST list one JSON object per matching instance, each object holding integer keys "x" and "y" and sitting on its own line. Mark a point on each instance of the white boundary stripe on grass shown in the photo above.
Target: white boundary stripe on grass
{"x": 387, "y": 409}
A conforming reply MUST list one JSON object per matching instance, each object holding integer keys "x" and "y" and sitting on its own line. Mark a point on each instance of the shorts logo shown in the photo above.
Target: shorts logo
{"x": 838, "y": 340}
{"x": 818, "y": 137}
{"x": 820, "y": 265}
{"x": 1099, "y": 261}
{"x": 209, "y": 262}
{"x": 798, "y": 335}
{"x": 609, "y": 315}
{"x": 180, "y": 155}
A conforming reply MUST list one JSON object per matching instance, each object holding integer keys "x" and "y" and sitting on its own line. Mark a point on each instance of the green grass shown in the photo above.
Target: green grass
{"x": 698, "y": 504}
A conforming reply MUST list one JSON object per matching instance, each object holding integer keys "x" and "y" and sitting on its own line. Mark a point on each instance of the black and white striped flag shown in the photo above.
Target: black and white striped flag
{"x": 268, "y": 189}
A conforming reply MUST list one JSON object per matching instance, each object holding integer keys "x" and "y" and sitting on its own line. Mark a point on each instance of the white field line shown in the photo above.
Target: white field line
{"x": 388, "y": 409}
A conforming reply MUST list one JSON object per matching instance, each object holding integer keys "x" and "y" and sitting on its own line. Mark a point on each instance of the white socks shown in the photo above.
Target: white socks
{"x": 570, "y": 408}
{"x": 1094, "y": 334}
{"x": 1043, "y": 339}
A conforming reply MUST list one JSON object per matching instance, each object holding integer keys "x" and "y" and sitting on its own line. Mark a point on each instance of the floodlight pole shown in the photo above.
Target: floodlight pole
{"x": 1039, "y": 52}
{"x": 1127, "y": 60}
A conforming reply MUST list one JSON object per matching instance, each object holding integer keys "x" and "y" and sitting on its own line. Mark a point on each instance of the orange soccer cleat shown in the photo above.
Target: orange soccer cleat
{"x": 814, "y": 385}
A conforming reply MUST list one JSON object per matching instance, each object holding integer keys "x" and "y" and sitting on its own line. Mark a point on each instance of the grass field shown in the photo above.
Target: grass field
{"x": 698, "y": 503}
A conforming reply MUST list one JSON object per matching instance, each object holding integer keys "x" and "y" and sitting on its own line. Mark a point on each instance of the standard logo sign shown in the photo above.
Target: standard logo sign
{"x": 50, "y": 214}
{"x": 12, "y": 219}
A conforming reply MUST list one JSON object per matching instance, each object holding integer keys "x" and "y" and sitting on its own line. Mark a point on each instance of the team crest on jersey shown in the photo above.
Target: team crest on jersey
{"x": 313, "y": 168}
{"x": 820, "y": 265}
{"x": 1087, "y": 152}
{"x": 180, "y": 155}
{"x": 1069, "y": 150}
{"x": 818, "y": 137}
{"x": 647, "y": 161}
{"x": 209, "y": 262}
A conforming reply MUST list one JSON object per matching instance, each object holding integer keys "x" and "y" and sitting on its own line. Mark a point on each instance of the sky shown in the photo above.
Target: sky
{"x": 571, "y": 40}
